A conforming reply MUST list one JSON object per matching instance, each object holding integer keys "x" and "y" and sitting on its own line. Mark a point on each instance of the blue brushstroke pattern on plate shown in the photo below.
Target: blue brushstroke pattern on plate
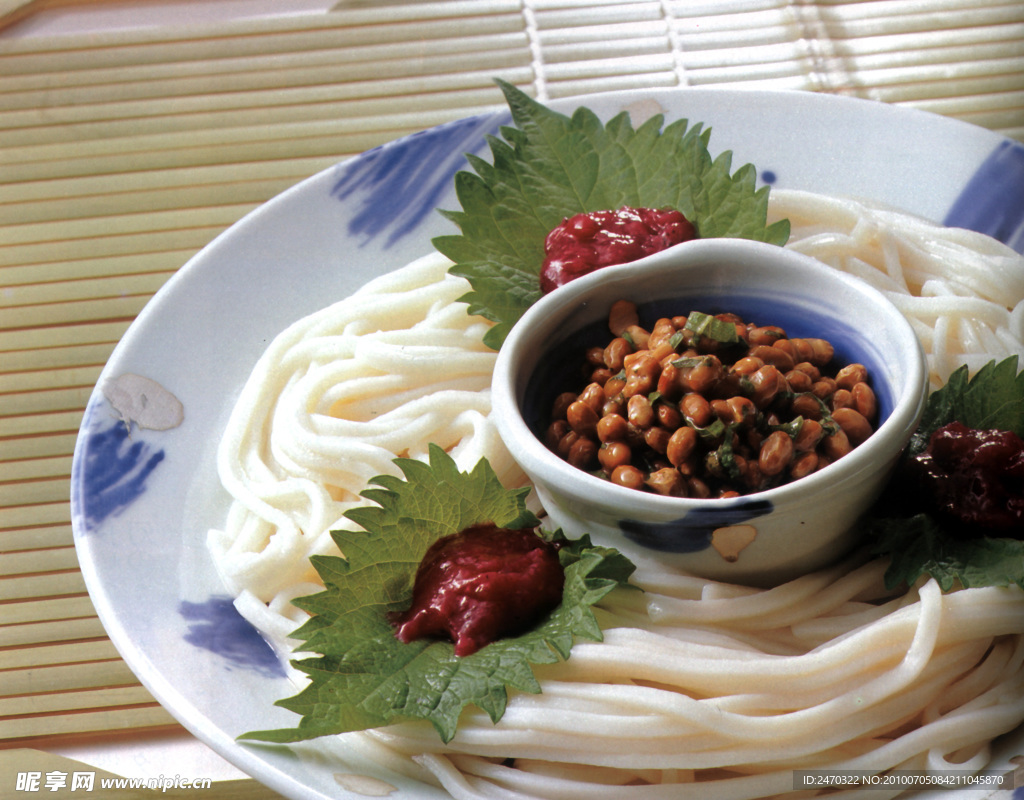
{"x": 398, "y": 184}
{"x": 216, "y": 625}
{"x": 116, "y": 463}
{"x": 992, "y": 202}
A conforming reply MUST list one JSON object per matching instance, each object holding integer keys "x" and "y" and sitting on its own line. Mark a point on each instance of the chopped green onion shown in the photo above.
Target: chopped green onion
{"x": 725, "y": 457}
{"x": 709, "y": 433}
{"x": 792, "y": 428}
{"x": 715, "y": 329}
{"x": 690, "y": 362}
{"x": 829, "y": 425}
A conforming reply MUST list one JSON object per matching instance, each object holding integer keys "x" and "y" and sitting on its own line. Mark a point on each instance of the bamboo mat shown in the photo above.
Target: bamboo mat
{"x": 123, "y": 153}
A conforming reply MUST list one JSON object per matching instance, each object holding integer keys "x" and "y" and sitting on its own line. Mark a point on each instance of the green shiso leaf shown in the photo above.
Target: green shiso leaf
{"x": 364, "y": 677}
{"x": 551, "y": 166}
{"x": 919, "y": 546}
{"x": 919, "y": 543}
{"x": 992, "y": 399}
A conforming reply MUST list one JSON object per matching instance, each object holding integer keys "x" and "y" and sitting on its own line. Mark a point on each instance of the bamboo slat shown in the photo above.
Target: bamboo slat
{"x": 39, "y": 423}
{"x": 214, "y": 107}
{"x": 32, "y": 561}
{"x": 93, "y": 650}
{"x": 52, "y": 422}
{"x": 60, "y": 357}
{"x": 73, "y": 268}
{"x": 54, "y": 400}
{"x": 75, "y": 377}
{"x": 13, "y": 10}
{"x": 128, "y": 49}
{"x": 363, "y": 114}
{"x": 59, "y": 608}
{"x": 44, "y": 536}
{"x": 308, "y": 71}
{"x": 71, "y": 701}
{"x": 124, "y": 202}
{"x": 85, "y": 289}
{"x": 30, "y": 448}
{"x": 102, "y": 246}
{"x": 43, "y": 678}
{"x": 54, "y": 584}
{"x": 115, "y": 718}
{"x": 61, "y": 313}
{"x": 160, "y": 160}
{"x": 286, "y": 68}
{"x": 28, "y": 517}
{"x": 60, "y": 630}
{"x": 49, "y": 490}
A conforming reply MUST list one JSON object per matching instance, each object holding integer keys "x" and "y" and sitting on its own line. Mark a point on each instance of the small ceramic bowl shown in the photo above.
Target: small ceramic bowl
{"x": 761, "y": 538}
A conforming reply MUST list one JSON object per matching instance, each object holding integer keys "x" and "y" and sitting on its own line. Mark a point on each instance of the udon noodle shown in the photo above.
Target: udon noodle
{"x": 700, "y": 689}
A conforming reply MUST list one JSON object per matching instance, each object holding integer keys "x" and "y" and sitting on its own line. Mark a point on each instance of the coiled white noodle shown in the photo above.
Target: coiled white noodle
{"x": 333, "y": 401}
{"x": 700, "y": 689}
{"x": 962, "y": 291}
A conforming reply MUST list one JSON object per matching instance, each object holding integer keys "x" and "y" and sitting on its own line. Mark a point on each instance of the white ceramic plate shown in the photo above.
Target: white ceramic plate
{"x": 143, "y": 499}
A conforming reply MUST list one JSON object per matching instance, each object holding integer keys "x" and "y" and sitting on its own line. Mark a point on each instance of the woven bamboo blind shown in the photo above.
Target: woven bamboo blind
{"x": 123, "y": 153}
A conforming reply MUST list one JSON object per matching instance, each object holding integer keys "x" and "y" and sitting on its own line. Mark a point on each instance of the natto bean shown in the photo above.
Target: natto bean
{"x": 776, "y": 453}
{"x": 668, "y": 482}
{"x": 583, "y": 453}
{"x": 681, "y": 445}
{"x": 582, "y": 417}
{"x": 612, "y": 455}
{"x": 616, "y": 351}
{"x": 854, "y": 425}
{"x": 696, "y": 409}
{"x": 639, "y": 411}
{"x": 850, "y": 375}
{"x": 627, "y": 475}
{"x": 864, "y": 400}
{"x": 593, "y": 396}
{"x": 612, "y": 428}
{"x": 623, "y": 313}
